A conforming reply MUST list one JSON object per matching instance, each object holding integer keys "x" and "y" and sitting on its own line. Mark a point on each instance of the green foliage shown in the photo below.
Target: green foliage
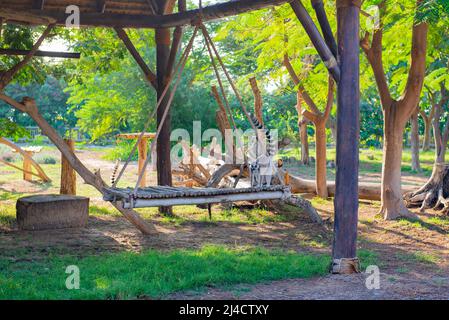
{"x": 121, "y": 151}
{"x": 12, "y": 130}
{"x": 51, "y": 101}
{"x": 153, "y": 273}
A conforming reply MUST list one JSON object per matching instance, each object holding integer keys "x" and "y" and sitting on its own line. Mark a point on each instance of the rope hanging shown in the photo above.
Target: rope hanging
{"x": 179, "y": 68}
{"x": 220, "y": 83}
{"x": 159, "y": 102}
{"x": 183, "y": 62}
{"x": 228, "y": 76}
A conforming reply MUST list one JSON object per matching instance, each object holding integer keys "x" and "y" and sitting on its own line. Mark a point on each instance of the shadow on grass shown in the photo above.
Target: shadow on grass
{"x": 418, "y": 223}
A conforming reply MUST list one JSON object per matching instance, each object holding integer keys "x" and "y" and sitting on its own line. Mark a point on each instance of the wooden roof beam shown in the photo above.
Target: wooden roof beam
{"x": 95, "y": 19}
{"x": 39, "y": 53}
{"x": 38, "y": 4}
{"x": 101, "y": 6}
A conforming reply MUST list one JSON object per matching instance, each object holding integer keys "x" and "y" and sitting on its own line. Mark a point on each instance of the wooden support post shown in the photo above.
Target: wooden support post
{"x": 27, "y": 176}
{"x": 318, "y": 6}
{"x": 149, "y": 75}
{"x": 346, "y": 200}
{"x": 176, "y": 39}
{"x": 164, "y": 176}
{"x": 316, "y": 38}
{"x": 68, "y": 175}
{"x": 39, "y": 172}
{"x": 142, "y": 150}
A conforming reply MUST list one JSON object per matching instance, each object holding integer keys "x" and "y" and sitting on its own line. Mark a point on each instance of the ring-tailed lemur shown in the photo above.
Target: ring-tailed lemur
{"x": 114, "y": 172}
{"x": 261, "y": 152}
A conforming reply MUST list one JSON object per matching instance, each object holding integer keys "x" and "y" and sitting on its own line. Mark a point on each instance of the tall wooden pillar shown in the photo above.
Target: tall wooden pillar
{"x": 68, "y": 174}
{"x": 346, "y": 195}
{"x": 27, "y": 176}
{"x": 164, "y": 176}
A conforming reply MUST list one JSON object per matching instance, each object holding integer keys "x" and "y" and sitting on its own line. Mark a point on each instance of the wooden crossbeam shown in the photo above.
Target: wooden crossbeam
{"x": 8, "y": 75}
{"x": 320, "y": 45}
{"x": 151, "y": 77}
{"x": 96, "y": 19}
{"x": 39, "y": 53}
{"x": 318, "y": 6}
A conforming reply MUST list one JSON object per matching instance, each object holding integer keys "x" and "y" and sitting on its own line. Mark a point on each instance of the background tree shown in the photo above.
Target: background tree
{"x": 396, "y": 111}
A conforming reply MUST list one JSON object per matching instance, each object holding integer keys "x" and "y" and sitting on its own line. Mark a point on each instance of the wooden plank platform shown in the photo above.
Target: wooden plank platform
{"x": 173, "y": 196}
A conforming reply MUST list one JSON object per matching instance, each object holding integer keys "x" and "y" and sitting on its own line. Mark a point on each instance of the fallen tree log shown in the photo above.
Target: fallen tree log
{"x": 367, "y": 191}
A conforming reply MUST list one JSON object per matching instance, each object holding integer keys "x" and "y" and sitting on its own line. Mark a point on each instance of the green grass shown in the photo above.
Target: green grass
{"x": 368, "y": 258}
{"x": 95, "y": 210}
{"x": 153, "y": 273}
{"x": 418, "y": 256}
{"x": 442, "y": 221}
{"x": 7, "y": 215}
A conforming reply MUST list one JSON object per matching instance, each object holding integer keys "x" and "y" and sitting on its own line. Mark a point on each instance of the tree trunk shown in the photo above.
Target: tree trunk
{"x": 367, "y": 190}
{"x": 332, "y": 124}
{"x": 304, "y": 138}
{"x": 392, "y": 203}
{"x": 320, "y": 164}
{"x": 440, "y": 144}
{"x": 257, "y": 100}
{"x": 164, "y": 175}
{"x": 396, "y": 113}
{"x": 435, "y": 193}
{"x": 414, "y": 141}
{"x": 427, "y": 135}
{"x": 68, "y": 175}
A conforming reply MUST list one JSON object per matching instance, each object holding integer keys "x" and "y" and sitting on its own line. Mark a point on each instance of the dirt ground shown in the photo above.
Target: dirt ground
{"x": 403, "y": 277}
{"x": 413, "y": 258}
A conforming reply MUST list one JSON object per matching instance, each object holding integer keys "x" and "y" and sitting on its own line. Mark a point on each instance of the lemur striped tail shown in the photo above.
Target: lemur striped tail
{"x": 114, "y": 172}
{"x": 271, "y": 147}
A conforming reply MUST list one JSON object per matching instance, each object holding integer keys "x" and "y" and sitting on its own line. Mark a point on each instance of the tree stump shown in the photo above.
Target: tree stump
{"x": 45, "y": 212}
{"x": 435, "y": 193}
